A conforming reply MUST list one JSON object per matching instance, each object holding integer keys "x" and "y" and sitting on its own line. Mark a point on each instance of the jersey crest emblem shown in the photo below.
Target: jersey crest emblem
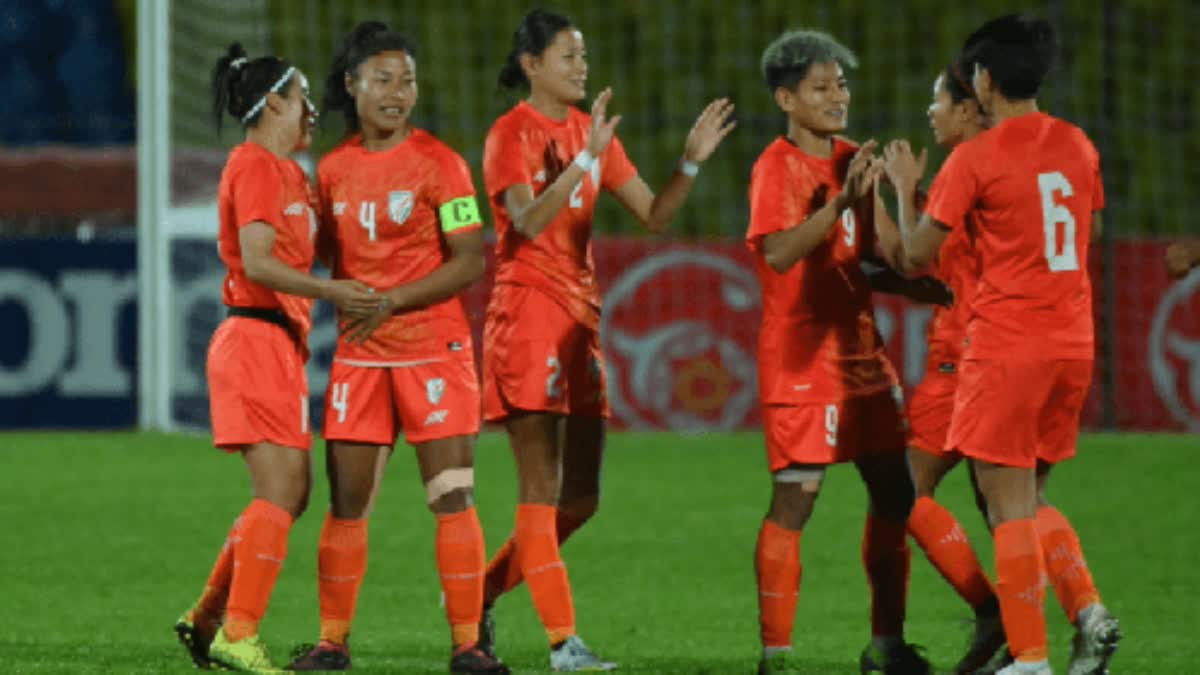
{"x": 400, "y": 205}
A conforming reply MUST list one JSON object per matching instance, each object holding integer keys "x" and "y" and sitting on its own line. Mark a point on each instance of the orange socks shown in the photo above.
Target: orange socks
{"x": 208, "y": 611}
{"x": 460, "y": 559}
{"x": 258, "y": 553}
{"x": 341, "y": 566}
{"x": 1020, "y": 587}
{"x": 945, "y": 544}
{"x": 536, "y": 551}
{"x": 504, "y": 574}
{"x": 777, "y": 568}
{"x": 1065, "y": 565}
{"x": 887, "y": 558}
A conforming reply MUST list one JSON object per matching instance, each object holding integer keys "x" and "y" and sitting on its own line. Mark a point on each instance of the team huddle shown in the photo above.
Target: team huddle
{"x": 1004, "y": 228}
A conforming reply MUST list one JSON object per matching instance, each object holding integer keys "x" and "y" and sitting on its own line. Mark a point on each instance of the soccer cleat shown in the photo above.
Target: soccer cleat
{"x": 778, "y": 661}
{"x": 472, "y": 659}
{"x": 325, "y": 655}
{"x": 487, "y": 633}
{"x": 1094, "y": 642}
{"x": 571, "y": 655}
{"x": 987, "y": 637}
{"x": 903, "y": 659}
{"x": 244, "y": 656}
{"x": 195, "y": 642}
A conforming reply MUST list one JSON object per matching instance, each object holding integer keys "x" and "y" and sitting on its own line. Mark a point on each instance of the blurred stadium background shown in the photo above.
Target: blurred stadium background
{"x": 106, "y": 327}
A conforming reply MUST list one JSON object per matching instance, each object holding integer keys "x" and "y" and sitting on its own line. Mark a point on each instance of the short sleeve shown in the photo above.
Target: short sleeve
{"x": 616, "y": 167}
{"x": 954, "y": 190}
{"x": 777, "y": 201}
{"x": 504, "y": 162}
{"x": 258, "y": 193}
{"x": 457, "y": 208}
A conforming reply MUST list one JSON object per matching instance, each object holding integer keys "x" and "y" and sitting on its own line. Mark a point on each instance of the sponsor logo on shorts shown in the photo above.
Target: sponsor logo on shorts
{"x": 295, "y": 209}
{"x": 455, "y": 346}
{"x": 436, "y": 417}
{"x": 946, "y": 368}
{"x": 400, "y": 205}
{"x": 434, "y": 389}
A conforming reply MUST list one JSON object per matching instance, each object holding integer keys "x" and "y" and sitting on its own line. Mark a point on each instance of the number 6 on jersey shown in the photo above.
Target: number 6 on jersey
{"x": 1054, "y": 213}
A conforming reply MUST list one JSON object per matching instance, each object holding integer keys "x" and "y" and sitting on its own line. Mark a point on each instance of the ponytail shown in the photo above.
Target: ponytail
{"x": 537, "y": 30}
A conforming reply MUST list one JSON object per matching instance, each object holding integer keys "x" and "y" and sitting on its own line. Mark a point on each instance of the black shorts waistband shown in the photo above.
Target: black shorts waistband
{"x": 268, "y": 314}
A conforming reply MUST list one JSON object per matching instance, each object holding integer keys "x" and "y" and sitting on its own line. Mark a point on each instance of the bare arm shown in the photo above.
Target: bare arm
{"x": 784, "y": 249}
{"x": 888, "y": 234}
{"x": 920, "y": 235}
{"x": 655, "y": 212}
{"x": 529, "y": 214}
{"x": 256, "y": 242}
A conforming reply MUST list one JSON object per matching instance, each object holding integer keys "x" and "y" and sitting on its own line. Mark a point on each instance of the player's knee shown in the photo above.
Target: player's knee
{"x": 451, "y": 491}
{"x": 350, "y": 501}
{"x": 794, "y": 495}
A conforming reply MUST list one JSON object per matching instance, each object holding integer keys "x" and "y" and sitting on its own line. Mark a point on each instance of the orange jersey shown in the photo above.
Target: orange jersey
{"x": 958, "y": 268}
{"x": 1031, "y": 185}
{"x": 257, "y": 186}
{"x": 818, "y": 342}
{"x": 385, "y": 222}
{"x": 559, "y": 260}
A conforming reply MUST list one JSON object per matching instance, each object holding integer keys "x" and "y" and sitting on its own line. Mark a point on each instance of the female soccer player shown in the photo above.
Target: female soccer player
{"x": 399, "y": 215}
{"x": 1027, "y": 365}
{"x": 545, "y": 163}
{"x": 955, "y": 117}
{"x": 257, "y": 388}
{"x": 829, "y": 393}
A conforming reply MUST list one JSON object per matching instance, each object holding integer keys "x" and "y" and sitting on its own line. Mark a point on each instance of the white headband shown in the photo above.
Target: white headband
{"x": 263, "y": 101}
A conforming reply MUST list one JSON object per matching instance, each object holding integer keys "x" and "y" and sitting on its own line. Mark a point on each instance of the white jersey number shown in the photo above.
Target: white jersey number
{"x": 576, "y": 201}
{"x": 366, "y": 218}
{"x": 1054, "y": 214}
{"x": 831, "y": 425}
{"x": 849, "y": 225}
{"x": 339, "y": 400}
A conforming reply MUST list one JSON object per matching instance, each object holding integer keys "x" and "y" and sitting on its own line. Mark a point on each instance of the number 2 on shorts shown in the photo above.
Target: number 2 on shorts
{"x": 552, "y": 388}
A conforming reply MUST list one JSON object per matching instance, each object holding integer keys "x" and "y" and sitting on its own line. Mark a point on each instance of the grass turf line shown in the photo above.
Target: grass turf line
{"x": 109, "y": 536}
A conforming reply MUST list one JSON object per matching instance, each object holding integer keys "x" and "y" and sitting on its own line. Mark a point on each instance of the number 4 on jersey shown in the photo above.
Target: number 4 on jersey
{"x": 1054, "y": 214}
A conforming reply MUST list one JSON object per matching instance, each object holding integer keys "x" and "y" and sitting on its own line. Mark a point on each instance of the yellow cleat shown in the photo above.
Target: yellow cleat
{"x": 244, "y": 656}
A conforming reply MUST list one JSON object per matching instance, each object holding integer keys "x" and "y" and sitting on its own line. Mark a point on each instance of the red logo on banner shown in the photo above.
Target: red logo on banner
{"x": 678, "y": 328}
{"x": 1174, "y": 344}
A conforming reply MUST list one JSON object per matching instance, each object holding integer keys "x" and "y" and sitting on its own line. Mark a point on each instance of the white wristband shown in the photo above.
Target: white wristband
{"x": 689, "y": 169}
{"x": 585, "y": 161}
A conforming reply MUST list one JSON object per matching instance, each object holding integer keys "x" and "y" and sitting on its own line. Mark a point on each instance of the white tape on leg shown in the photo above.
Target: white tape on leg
{"x": 448, "y": 481}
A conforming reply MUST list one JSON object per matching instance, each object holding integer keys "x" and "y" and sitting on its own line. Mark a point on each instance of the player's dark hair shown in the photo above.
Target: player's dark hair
{"x": 1016, "y": 49}
{"x": 785, "y": 62}
{"x": 957, "y": 80}
{"x": 537, "y": 30}
{"x": 366, "y": 40}
{"x": 238, "y": 83}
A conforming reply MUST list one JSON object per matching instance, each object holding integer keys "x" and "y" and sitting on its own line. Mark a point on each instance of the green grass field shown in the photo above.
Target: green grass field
{"x": 109, "y": 536}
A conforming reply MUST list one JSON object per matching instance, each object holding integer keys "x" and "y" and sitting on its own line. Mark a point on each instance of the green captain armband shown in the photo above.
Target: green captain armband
{"x": 459, "y": 213}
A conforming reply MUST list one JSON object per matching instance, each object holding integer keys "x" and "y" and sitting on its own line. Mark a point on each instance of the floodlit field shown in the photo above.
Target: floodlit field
{"x": 109, "y": 536}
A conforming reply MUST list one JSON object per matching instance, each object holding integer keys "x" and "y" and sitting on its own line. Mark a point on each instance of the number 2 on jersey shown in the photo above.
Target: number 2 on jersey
{"x": 576, "y": 201}
{"x": 1054, "y": 214}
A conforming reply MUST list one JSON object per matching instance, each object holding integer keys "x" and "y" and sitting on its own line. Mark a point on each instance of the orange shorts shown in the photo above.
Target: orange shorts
{"x": 930, "y": 410}
{"x": 1015, "y": 413}
{"x": 257, "y": 388}
{"x": 820, "y": 433}
{"x": 428, "y": 400}
{"x": 537, "y": 357}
